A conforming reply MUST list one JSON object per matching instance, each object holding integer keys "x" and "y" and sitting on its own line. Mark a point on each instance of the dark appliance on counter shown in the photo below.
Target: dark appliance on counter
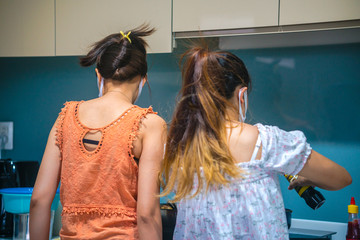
{"x": 288, "y": 213}
{"x": 168, "y": 218}
{"x": 14, "y": 174}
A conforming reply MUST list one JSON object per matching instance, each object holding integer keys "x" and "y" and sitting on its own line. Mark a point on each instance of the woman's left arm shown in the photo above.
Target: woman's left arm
{"x": 148, "y": 204}
{"x": 45, "y": 188}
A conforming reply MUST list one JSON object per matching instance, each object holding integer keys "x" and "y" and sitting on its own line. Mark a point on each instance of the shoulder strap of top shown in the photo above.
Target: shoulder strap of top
{"x": 142, "y": 112}
{"x": 60, "y": 122}
{"x": 256, "y": 149}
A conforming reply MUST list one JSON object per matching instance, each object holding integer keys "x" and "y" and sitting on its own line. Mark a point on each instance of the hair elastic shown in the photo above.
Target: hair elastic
{"x": 125, "y": 36}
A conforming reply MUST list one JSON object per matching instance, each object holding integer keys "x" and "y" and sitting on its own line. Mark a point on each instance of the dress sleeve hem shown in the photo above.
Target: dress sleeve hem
{"x": 303, "y": 161}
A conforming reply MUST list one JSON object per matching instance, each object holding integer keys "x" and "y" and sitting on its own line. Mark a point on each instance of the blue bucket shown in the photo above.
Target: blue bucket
{"x": 17, "y": 200}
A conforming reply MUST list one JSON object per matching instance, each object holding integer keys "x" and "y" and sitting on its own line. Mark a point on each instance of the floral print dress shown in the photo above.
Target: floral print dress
{"x": 251, "y": 207}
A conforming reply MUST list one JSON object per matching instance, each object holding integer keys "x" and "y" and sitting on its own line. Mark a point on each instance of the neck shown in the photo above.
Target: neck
{"x": 125, "y": 96}
{"x": 128, "y": 90}
{"x": 232, "y": 114}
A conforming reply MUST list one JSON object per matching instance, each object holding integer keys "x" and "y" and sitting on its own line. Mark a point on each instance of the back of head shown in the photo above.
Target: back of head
{"x": 120, "y": 56}
{"x": 197, "y": 137}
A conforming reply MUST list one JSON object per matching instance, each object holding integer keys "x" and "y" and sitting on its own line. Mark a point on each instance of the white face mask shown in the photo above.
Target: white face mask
{"x": 100, "y": 86}
{"x": 241, "y": 116}
{"x": 140, "y": 89}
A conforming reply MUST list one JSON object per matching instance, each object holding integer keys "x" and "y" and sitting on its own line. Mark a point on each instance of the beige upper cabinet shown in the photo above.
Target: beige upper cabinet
{"x": 200, "y": 15}
{"x": 80, "y": 23}
{"x": 318, "y": 11}
{"x": 27, "y": 28}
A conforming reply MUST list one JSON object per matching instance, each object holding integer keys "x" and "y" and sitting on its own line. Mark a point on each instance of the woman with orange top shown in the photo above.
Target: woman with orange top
{"x": 106, "y": 152}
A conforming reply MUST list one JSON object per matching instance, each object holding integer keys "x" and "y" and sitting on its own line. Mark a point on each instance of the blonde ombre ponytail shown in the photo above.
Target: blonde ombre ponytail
{"x": 197, "y": 141}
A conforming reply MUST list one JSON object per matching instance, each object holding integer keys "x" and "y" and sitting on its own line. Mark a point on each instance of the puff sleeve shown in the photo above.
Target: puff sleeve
{"x": 283, "y": 152}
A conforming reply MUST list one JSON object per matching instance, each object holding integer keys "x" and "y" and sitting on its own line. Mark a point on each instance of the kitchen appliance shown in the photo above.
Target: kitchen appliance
{"x": 288, "y": 213}
{"x": 14, "y": 174}
{"x": 168, "y": 218}
{"x": 17, "y": 201}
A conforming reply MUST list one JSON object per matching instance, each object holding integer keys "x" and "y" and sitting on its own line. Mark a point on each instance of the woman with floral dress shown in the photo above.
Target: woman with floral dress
{"x": 223, "y": 171}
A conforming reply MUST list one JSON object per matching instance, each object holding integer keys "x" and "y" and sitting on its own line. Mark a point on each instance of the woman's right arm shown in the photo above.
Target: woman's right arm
{"x": 322, "y": 172}
{"x": 47, "y": 181}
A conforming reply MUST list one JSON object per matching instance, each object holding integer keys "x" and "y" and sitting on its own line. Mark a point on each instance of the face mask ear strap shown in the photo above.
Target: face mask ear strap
{"x": 140, "y": 88}
{"x": 242, "y": 116}
{"x": 100, "y": 86}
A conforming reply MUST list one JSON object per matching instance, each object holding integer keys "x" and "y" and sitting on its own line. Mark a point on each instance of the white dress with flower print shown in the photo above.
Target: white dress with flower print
{"x": 251, "y": 207}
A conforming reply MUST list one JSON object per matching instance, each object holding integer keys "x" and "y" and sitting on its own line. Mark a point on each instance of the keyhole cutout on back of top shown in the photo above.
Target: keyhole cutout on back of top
{"x": 92, "y": 139}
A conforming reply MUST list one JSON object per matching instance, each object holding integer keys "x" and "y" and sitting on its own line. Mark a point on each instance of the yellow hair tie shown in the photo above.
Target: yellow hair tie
{"x": 126, "y": 36}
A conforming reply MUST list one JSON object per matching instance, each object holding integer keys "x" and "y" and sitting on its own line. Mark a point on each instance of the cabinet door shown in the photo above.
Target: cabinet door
{"x": 199, "y": 15}
{"x": 27, "y": 28}
{"x": 80, "y": 23}
{"x": 310, "y": 11}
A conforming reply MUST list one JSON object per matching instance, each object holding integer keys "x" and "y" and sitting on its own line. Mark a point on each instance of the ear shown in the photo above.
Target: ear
{"x": 242, "y": 91}
{"x": 98, "y": 74}
{"x": 145, "y": 78}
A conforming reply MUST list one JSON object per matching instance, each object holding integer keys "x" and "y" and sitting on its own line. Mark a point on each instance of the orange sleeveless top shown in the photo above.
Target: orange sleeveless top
{"x": 98, "y": 189}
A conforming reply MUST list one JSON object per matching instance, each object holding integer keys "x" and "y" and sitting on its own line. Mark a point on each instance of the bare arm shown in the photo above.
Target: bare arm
{"x": 44, "y": 190}
{"x": 148, "y": 204}
{"x": 322, "y": 172}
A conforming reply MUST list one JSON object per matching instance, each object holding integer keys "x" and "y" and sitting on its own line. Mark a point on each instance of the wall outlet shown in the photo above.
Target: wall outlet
{"x": 6, "y": 135}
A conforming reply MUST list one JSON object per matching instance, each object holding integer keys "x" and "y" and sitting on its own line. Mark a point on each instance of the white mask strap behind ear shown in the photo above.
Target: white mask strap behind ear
{"x": 140, "y": 89}
{"x": 100, "y": 86}
{"x": 241, "y": 116}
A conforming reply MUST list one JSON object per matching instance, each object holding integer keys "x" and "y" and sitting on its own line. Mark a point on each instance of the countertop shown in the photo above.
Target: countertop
{"x": 299, "y": 233}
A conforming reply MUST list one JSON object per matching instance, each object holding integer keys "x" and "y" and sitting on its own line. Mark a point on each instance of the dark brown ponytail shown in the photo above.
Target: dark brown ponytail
{"x": 117, "y": 58}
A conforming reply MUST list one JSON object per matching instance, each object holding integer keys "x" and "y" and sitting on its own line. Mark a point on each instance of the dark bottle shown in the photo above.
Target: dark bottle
{"x": 353, "y": 231}
{"x": 312, "y": 197}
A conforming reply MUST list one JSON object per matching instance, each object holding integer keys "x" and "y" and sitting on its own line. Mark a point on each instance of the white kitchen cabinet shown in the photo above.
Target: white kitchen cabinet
{"x": 27, "y": 28}
{"x": 80, "y": 23}
{"x": 318, "y": 11}
{"x": 202, "y": 15}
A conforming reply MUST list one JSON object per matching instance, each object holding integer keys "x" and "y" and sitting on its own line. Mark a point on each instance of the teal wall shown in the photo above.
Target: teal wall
{"x": 313, "y": 89}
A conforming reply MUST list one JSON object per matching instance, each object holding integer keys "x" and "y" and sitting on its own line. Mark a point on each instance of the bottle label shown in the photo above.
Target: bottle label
{"x": 303, "y": 189}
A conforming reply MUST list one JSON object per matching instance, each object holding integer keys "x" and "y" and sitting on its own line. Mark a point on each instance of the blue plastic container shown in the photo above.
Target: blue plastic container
{"x": 17, "y": 200}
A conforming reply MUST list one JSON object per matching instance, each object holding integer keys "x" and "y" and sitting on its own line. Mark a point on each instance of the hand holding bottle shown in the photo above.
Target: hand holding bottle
{"x": 299, "y": 181}
{"x": 312, "y": 197}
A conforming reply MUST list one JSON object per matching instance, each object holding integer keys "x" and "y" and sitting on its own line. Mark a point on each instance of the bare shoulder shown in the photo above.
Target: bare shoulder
{"x": 248, "y": 133}
{"x": 153, "y": 122}
{"x": 242, "y": 142}
{"x": 251, "y": 130}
